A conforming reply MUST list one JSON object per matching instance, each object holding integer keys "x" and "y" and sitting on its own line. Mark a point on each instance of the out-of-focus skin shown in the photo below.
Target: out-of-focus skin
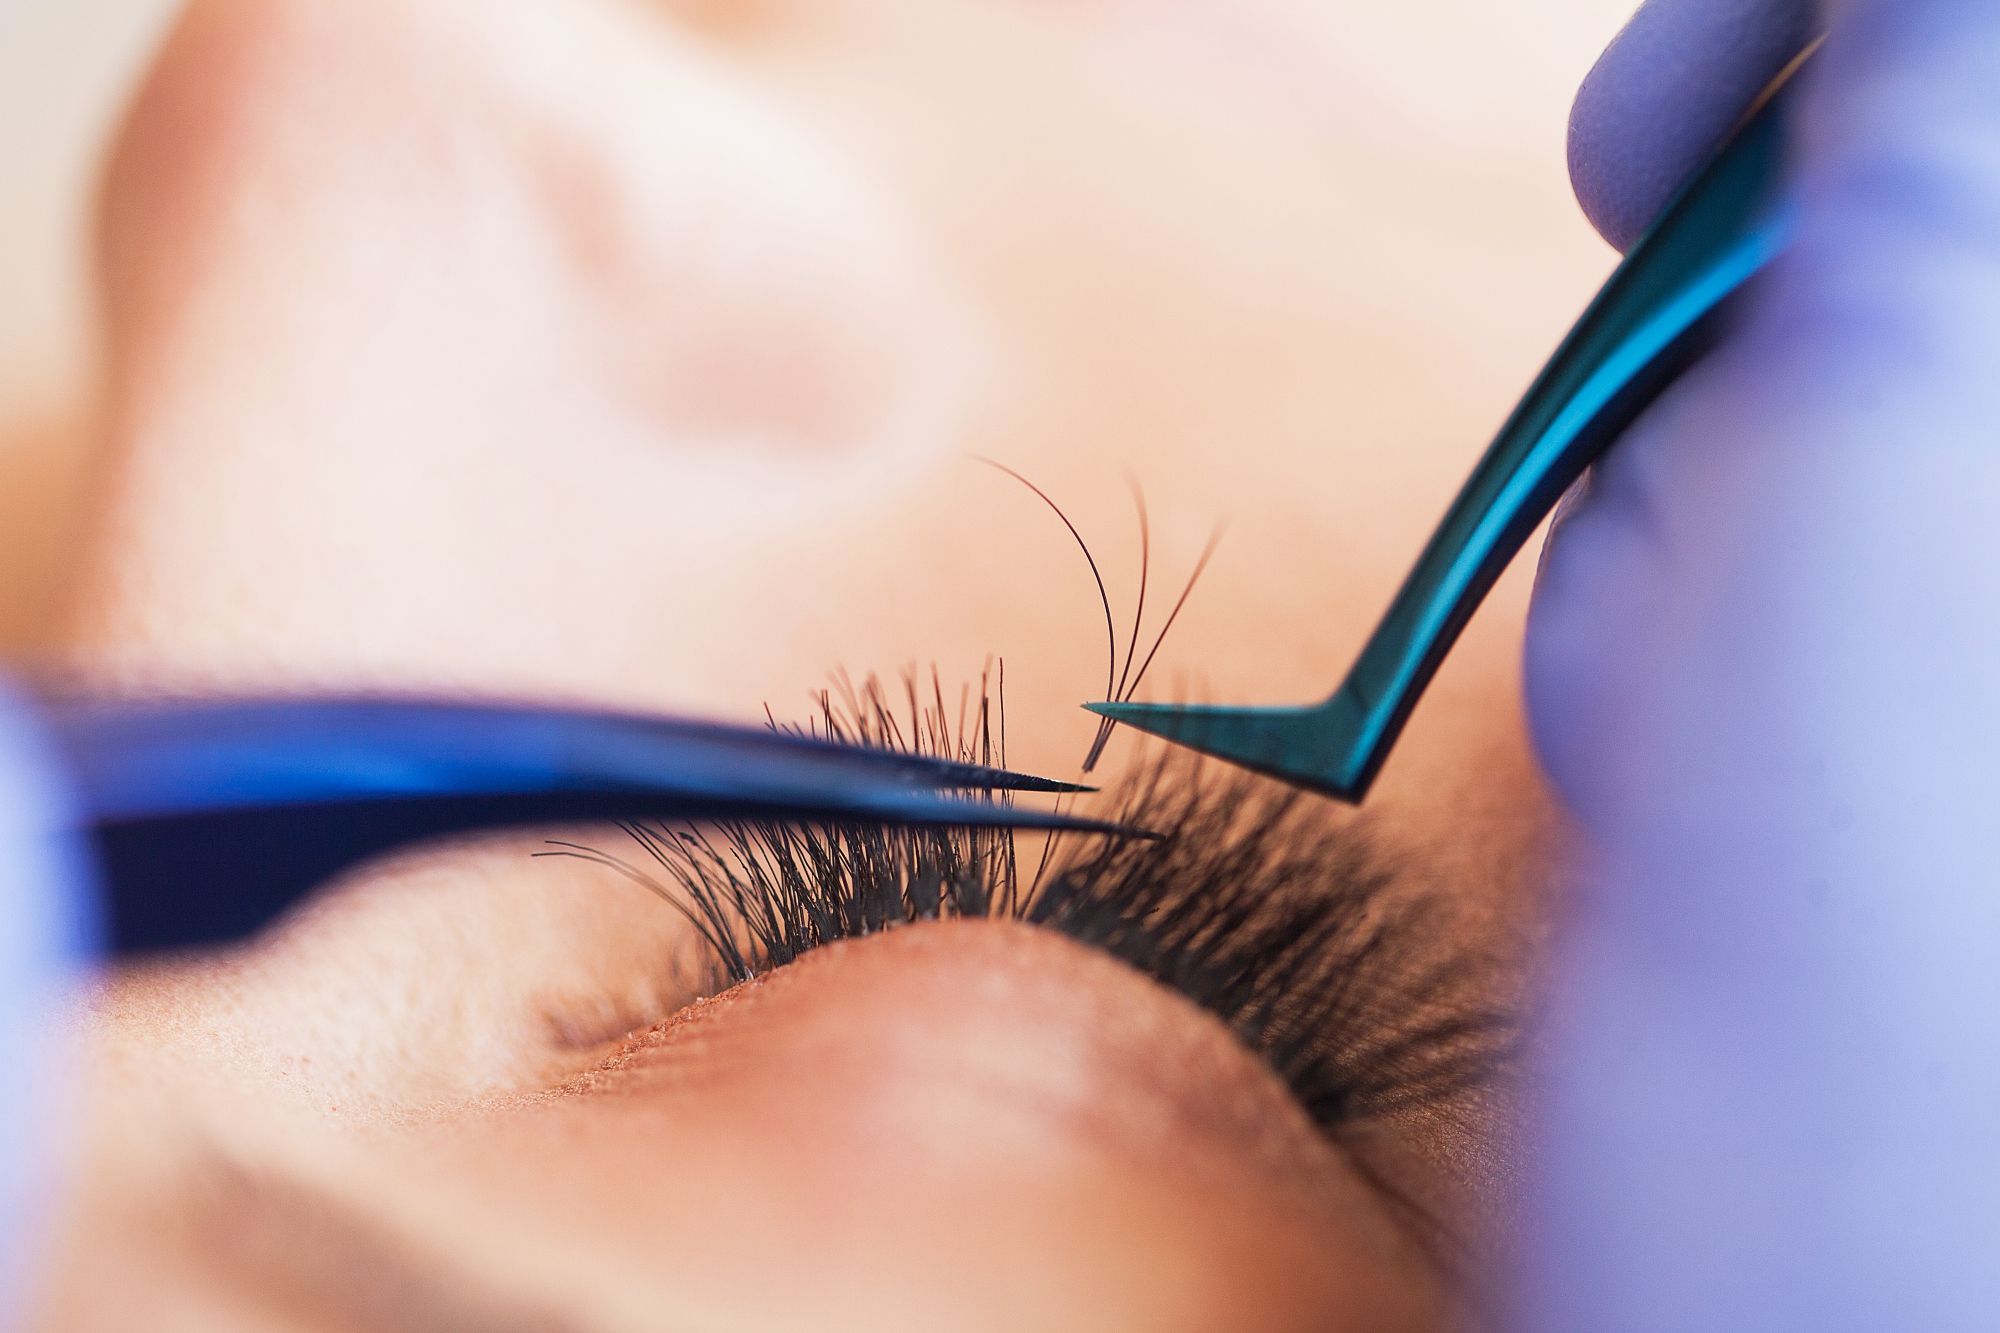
{"x": 633, "y": 355}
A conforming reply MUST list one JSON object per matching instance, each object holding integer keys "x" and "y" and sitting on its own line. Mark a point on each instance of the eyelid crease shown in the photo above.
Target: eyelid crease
{"x": 1262, "y": 905}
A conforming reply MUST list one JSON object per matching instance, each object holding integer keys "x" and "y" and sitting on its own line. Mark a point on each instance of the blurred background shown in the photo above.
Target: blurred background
{"x": 1459, "y": 113}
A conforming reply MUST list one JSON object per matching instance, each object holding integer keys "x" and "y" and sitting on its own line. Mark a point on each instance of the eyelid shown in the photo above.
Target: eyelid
{"x": 966, "y": 1079}
{"x": 1259, "y": 907}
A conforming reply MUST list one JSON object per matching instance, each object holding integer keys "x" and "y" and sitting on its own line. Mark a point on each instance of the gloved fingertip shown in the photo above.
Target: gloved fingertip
{"x": 47, "y": 931}
{"x": 1665, "y": 93}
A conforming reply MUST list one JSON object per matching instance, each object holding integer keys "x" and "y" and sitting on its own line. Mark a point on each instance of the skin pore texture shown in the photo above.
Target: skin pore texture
{"x": 633, "y": 355}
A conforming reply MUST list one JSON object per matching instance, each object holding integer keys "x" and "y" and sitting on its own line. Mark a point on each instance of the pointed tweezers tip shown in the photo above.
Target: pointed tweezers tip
{"x": 1004, "y": 781}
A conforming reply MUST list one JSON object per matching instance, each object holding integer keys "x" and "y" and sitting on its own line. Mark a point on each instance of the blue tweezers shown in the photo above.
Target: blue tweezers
{"x": 209, "y": 818}
{"x": 1658, "y": 313}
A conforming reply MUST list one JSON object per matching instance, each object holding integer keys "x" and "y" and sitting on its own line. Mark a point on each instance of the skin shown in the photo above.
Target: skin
{"x": 633, "y": 356}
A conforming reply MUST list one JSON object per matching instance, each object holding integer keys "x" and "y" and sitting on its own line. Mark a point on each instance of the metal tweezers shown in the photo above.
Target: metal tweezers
{"x": 1659, "y": 312}
{"x": 208, "y": 818}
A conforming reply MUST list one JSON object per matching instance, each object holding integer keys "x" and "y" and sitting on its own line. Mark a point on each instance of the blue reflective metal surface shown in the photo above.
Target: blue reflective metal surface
{"x": 1655, "y": 316}
{"x": 210, "y": 817}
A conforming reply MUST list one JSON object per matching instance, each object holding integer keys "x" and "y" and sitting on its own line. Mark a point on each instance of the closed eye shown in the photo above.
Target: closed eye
{"x": 1273, "y": 910}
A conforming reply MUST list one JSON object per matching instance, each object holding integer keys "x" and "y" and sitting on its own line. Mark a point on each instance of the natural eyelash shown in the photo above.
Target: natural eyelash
{"x": 1288, "y": 927}
{"x": 1121, "y": 682}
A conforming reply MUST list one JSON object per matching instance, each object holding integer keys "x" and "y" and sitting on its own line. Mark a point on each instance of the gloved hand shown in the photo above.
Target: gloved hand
{"x": 45, "y": 922}
{"x": 1762, "y": 672}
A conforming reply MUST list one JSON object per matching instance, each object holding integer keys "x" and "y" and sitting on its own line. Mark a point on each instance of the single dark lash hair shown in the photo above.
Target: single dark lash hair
{"x": 1286, "y": 924}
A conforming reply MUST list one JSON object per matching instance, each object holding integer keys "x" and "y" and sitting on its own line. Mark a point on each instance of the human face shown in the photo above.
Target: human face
{"x": 634, "y": 355}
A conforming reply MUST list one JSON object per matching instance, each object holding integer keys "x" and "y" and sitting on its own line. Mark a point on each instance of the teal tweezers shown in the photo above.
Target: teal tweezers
{"x": 1656, "y": 315}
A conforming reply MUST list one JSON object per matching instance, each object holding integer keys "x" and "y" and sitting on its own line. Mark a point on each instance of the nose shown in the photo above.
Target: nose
{"x": 422, "y": 315}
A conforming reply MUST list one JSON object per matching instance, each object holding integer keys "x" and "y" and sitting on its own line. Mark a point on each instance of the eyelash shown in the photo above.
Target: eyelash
{"x": 1289, "y": 927}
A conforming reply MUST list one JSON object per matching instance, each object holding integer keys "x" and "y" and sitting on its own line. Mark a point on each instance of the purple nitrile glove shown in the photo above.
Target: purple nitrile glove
{"x": 46, "y": 918}
{"x": 1668, "y": 90}
{"x": 1764, "y": 674}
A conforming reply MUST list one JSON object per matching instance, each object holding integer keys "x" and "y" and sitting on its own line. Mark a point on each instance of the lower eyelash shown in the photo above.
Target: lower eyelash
{"x": 1286, "y": 925}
